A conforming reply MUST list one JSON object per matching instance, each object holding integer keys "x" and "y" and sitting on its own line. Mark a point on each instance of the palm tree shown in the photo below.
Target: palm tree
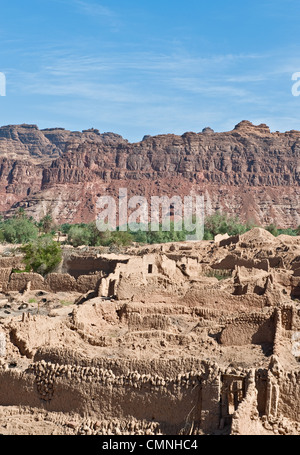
{"x": 46, "y": 224}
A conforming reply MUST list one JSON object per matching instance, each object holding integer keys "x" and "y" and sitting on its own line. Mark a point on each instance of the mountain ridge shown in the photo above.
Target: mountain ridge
{"x": 249, "y": 171}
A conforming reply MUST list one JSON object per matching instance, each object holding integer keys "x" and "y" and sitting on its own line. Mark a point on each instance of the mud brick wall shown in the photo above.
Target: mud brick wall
{"x": 54, "y": 282}
{"x": 243, "y": 418}
{"x": 177, "y": 394}
{"x": 19, "y": 282}
{"x": 289, "y": 395}
{"x": 249, "y": 330}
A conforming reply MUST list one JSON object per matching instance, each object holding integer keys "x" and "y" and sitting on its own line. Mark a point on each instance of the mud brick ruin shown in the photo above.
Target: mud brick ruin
{"x": 183, "y": 338}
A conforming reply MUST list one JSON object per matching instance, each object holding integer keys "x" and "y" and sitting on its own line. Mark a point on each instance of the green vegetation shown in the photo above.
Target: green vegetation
{"x": 272, "y": 229}
{"x": 220, "y": 223}
{"x": 219, "y": 274}
{"x": 42, "y": 255}
{"x": 79, "y": 235}
{"x": 89, "y": 235}
{"x": 18, "y": 271}
{"x": 292, "y": 232}
{"x": 18, "y": 230}
{"x": 275, "y": 231}
{"x": 160, "y": 236}
{"x": 46, "y": 225}
{"x": 66, "y": 303}
{"x": 37, "y": 237}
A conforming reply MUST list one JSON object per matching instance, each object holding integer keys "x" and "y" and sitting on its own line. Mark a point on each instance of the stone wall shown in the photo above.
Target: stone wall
{"x": 183, "y": 396}
{"x": 4, "y": 277}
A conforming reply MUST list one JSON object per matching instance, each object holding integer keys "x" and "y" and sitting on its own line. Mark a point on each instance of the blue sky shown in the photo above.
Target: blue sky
{"x": 139, "y": 67}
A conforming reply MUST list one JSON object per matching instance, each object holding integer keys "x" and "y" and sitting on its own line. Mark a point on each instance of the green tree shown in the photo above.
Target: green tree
{"x": 42, "y": 255}
{"x": 64, "y": 228}
{"x": 18, "y": 230}
{"x": 119, "y": 238}
{"x": 79, "y": 235}
{"x": 139, "y": 236}
{"x": 222, "y": 223}
{"x": 21, "y": 213}
{"x": 46, "y": 224}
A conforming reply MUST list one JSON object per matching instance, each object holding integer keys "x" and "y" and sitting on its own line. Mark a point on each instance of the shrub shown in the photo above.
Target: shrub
{"x": 272, "y": 229}
{"x": 42, "y": 255}
{"x": 79, "y": 235}
{"x": 222, "y": 223}
{"x": 289, "y": 231}
{"x": 18, "y": 230}
{"x": 65, "y": 228}
{"x": 120, "y": 238}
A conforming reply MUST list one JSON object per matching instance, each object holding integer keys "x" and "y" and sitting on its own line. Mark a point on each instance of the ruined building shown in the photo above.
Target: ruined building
{"x": 183, "y": 338}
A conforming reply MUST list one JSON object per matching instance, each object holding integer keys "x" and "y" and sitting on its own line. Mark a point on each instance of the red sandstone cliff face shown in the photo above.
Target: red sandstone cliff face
{"x": 248, "y": 171}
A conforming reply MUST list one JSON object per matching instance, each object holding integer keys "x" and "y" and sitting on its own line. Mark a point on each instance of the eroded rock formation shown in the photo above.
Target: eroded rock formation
{"x": 248, "y": 171}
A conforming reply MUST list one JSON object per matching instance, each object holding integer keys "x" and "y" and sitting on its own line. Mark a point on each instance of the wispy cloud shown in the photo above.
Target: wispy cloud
{"x": 122, "y": 78}
{"x": 209, "y": 88}
{"x": 147, "y": 61}
{"x": 94, "y": 9}
{"x": 154, "y": 92}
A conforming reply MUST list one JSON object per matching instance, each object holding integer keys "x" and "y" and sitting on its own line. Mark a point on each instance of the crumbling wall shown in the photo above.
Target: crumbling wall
{"x": 53, "y": 282}
{"x": 231, "y": 261}
{"x": 154, "y": 321}
{"x": 277, "y": 347}
{"x": 2, "y": 344}
{"x": 20, "y": 281}
{"x": 13, "y": 262}
{"x": 220, "y": 299}
{"x": 179, "y": 395}
{"x": 18, "y": 388}
{"x": 134, "y": 286}
{"x": 4, "y": 277}
{"x": 57, "y": 282}
{"x": 139, "y": 276}
{"x": 210, "y": 400}
{"x": 295, "y": 287}
{"x": 76, "y": 265}
{"x": 251, "y": 281}
{"x": 249, "y": 329}
{"x": 245, "y": 419}
{"x": 288, "y": 385}
{"x": 85, "y": 283}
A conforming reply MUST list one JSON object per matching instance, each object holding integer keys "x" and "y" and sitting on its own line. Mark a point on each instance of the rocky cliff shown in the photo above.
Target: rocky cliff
{"x": 249, "y": 171}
